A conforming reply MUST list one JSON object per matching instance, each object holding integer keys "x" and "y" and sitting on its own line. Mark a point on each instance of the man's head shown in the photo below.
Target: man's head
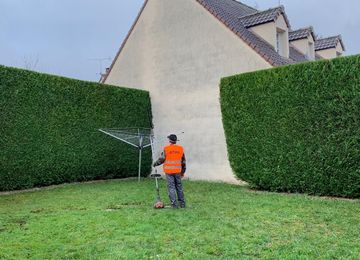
{"x": 172, "y": 138}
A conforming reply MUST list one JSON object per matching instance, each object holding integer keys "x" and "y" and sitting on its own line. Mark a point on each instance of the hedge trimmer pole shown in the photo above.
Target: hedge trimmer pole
{"x": 157, "y": 187}
{"x": 158, "y": 204}
{"x": 141, "y": 138}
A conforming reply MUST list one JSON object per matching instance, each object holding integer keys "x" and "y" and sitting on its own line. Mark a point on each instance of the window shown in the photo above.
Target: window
{"x": 278, "y": 43}
{"x": 310, "y": 51}
{"x": 281, "y": 40}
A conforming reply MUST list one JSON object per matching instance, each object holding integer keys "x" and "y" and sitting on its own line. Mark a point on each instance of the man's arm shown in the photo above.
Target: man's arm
{"x": 183, "y": 165}
{"x": 160, "y": 161}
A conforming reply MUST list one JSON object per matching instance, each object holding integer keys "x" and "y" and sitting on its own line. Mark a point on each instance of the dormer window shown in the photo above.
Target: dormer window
{"x": 303, "y": 41}
{"x": 271, "y": 25}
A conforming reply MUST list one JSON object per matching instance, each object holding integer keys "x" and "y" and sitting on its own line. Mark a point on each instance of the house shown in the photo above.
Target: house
{"x": 178, "y": 50}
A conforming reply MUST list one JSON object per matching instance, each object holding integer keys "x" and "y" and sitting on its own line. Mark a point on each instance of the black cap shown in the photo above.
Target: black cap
{"x": 172, "y": 138}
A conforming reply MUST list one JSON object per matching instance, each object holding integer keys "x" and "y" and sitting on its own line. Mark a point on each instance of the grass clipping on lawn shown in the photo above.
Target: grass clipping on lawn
{"x": 115, "y": 219}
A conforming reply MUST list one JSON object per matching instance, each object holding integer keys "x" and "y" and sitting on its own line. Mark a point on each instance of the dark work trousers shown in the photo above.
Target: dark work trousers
{"x": 175, "y": 188}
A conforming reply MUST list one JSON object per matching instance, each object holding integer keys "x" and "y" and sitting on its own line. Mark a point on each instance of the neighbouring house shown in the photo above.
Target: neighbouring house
{"x": 178, "y": 50}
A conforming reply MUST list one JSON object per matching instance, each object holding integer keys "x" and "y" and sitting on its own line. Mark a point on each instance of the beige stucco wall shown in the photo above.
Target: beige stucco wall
{"x": 178, "y": 51}
{"x": 303, "y": 46}
{"x": 332, "y": 52}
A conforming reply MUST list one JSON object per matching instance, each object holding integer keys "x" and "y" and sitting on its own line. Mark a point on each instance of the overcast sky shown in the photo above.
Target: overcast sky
{"x": 69, "y": 37}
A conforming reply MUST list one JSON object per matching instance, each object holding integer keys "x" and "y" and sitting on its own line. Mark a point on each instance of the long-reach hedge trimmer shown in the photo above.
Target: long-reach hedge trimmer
{"x": 158, "y": 203}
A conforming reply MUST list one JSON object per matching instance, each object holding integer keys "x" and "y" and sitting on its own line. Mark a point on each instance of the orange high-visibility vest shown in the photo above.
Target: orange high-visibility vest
{"x": 173, "y": 156}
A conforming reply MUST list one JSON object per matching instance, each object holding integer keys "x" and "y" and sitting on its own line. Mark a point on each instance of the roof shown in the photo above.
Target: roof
{"x": 228, "y": 12}
{"x": 301, "y": 34}
{"x": 266, "y": 16}
{"x": 327, "y": 43}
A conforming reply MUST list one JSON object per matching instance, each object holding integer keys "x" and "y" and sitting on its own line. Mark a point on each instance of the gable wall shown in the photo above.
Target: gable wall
{"x": 327, "y": 53}
{"x": 179, "y": 51}
{"x": 301, "y": 45}
{"x": 267, "y": 31}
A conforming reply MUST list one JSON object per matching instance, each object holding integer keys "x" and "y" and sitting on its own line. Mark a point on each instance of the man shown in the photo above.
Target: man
{"x": 174, "y": 165}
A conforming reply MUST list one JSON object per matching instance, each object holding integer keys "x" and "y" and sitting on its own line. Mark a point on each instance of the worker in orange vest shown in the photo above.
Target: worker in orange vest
{"x": 174, "y": 165}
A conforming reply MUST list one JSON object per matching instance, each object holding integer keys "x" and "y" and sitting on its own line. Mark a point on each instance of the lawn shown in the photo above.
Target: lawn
{"x": 115, "y": 219}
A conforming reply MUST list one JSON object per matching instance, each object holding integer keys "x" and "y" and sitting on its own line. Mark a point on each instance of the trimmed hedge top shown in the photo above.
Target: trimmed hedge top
{"x": 48, "y": 129}
{"x": 296, "y": 128}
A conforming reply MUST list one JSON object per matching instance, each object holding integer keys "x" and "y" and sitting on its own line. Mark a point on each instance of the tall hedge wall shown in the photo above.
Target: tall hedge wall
{"x": 296, "y": 128}
{"x": 48, "y": 130}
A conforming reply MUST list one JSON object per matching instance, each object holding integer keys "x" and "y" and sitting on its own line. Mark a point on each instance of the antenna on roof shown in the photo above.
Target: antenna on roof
{"x": 100, "y": 61}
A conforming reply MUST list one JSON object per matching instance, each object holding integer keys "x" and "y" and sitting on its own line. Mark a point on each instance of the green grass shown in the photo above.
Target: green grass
{"x": 115, "y": 219}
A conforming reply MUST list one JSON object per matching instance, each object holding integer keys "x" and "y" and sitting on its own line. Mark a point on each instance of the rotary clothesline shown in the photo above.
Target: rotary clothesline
{"x": 137, "y": 137}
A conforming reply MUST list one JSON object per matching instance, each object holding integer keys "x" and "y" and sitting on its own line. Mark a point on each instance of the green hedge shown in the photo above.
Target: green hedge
{"x": 48, "y": 130}
{"x": 296, "y": 128}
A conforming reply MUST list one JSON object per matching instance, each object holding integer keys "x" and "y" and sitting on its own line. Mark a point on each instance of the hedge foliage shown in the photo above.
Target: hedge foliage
{"x": 296, "y": 128}
{"x": 48, "y": 130}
